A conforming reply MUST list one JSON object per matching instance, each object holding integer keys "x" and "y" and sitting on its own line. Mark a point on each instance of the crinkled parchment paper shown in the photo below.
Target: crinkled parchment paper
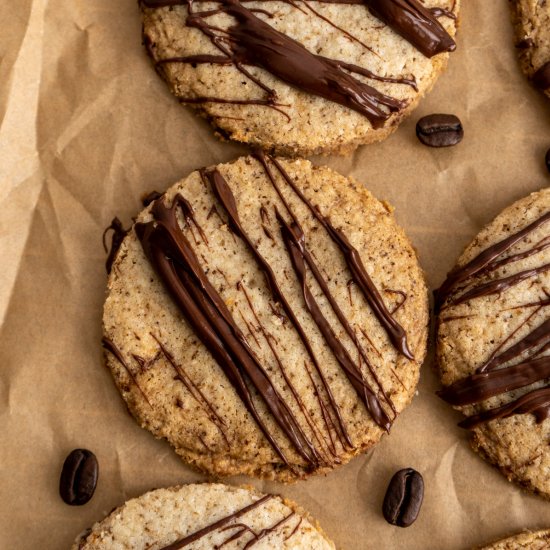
{"x": 87, "y": 127}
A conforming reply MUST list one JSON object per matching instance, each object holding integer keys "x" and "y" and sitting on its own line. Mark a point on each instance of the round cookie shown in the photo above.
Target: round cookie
{"x": 528, "y": 541}
{"x": 267, "y": 318}
{"x": 531, "y": 20}
{"x": 204, "y": 517}
{"x": 301, "y": 77}
{"x": 493, "y": 341}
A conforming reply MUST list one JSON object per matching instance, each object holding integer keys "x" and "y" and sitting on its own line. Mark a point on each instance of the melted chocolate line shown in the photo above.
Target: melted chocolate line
{"x": 414, "y": 23}
{"x": 196, "y": 393}
{"x": 400, "y": 304}
{"x": 394, "y": 330}
{"x": 333, "y": 25}
{"x": 411, "y": 81}
{"x": 110, "y": 346}
{"x": 482, "y": 260}
{"x": 353, "y": 373}
{"x": 173, "y": 258}
{"x": 538, "y": 337}
{"x": 237, "y": 345}
{"x": 227, "y": 200}
{"x": 536, "y": 402}
{"x": 508, "y": 338}
{"x": 297, "y": 234}
{"x": 189, "y": 215}
{"x": 116, "y": 240}
{"x": 186, "y": 541}
{"x": 539, "y": 247}
{"x": 264, "y": 532}
{"x": 408, "y": 18}
{"x": 252, "y": 41}
{"x": 295, "y": 530}
{"x": 479, "y": 387}
{"x": 268, "y": 338}
{"x": 242, "y": 530}
{"x": 498, "y": 286}
{"x": 147, "y": 199}
{"x": 251, "y": 329}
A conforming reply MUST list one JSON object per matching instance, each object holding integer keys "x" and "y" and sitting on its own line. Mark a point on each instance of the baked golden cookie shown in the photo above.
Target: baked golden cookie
{"x": 299, "y": 77}
{"x": 525, "y": 541}
{"x": 494, "y": 340}
{"x": 267, "y": 318}
{"x": 532, "y": 27}
{"x": 203, "y": 517}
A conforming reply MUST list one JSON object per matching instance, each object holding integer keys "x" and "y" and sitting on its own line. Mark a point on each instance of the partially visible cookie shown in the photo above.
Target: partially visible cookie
{"x": 493, "y": 343}
{"x": 532, "y": 26}
{"x": 267, "y": 318}
{"x": 528, "y": 541}
{"x": 203, "y": 517}
{"x": 301, "y": 77}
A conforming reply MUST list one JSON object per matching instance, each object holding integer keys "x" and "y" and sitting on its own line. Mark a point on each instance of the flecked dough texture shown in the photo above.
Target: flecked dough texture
{"x": 539, "y": 540}
{"x": 472, "y": 332}
{"x": 183, "y": 394}
{"x": 531, "y": 20}
{"x": 306, "y": 124}
{"x": 163, "y": 516}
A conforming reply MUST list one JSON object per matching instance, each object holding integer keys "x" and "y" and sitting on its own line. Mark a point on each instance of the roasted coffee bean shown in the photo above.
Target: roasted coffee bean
{"x": 403, "y": 498}
{"x": 547, "y": 160}
{"x": 439, "y": 130}
{"x": 78, "y": 477}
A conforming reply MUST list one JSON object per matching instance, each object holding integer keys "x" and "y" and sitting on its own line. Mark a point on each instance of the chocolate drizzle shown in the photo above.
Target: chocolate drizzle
{"x": 116, "y": 240}
{"x": 220, "y": 524}
{"x": 250, "y": 41}
{"x": 496, "y": 376}
{"x": 172, "y": 256}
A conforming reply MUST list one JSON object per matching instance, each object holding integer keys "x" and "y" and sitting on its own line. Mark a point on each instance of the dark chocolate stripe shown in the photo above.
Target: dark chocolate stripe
{"x": 227, "y": 200}
{"x": 252, "y": 41}
{"x": 217, "y": 525}
{"x": 478, "y": 387}
{"x": 175, "y": 262}
{"x": 536, "y": 402}
{"x": 416, "y": 24}
{"x": 538, "y": 337}
{"x": 353, "y": 374}
{"x": 484, "y": 259}
{"x": 498, "y": 285}
{"x": 408, "y": 18}
{"x": 395, "y": 331}
{"x": 110, "y": 346}
{"x": 489, "y": 380}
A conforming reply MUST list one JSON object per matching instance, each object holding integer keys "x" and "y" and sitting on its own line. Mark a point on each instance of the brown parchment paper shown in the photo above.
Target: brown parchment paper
{"x": 86, "y": 127}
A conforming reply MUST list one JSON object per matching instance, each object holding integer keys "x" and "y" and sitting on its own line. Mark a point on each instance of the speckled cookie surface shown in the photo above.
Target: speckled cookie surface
{"x": 205, "y": 516}
{"x": 302, "y": 123}
{"x": 495, "y": 324}
{"x": 528, "y": 541}
{"x": 532, "y": 28}
{"x": 332, "y": 366}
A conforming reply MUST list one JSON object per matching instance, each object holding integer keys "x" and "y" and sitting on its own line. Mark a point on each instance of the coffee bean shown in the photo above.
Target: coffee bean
{"x": 78, "y": 477}
{"x": 439, "y": 130}
{"x": 403, "y": 498}
{"x": 547, "y": 160}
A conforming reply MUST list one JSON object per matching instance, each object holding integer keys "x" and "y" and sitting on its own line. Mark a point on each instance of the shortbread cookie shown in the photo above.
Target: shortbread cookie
{"x": 300, "y": 77}
{"x": 494, "y": 341}
{"x": 266, "y": 318}
{"x": 525, "y": 541}
{"x": 532, "y": 25}
{"x": 205, "y": 516}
